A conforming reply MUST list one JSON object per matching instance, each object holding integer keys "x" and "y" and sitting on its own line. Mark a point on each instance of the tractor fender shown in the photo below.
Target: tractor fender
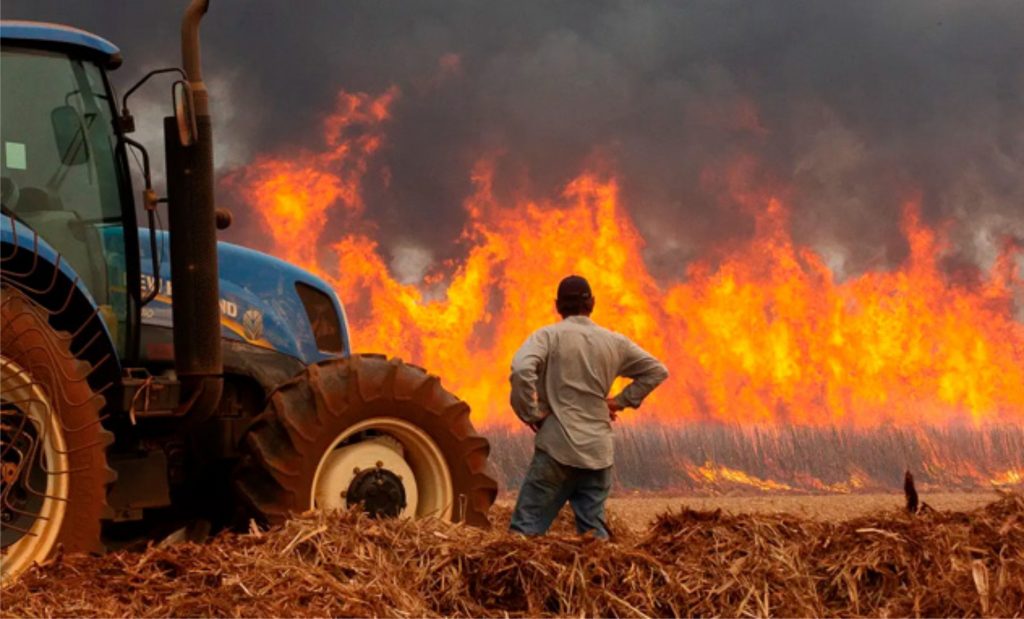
{"x": 32, "y": 266}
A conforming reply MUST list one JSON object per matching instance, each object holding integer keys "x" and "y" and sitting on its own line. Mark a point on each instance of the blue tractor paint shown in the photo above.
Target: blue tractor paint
{"x": 259, "y": 302}
{"x": 57, "y": 36}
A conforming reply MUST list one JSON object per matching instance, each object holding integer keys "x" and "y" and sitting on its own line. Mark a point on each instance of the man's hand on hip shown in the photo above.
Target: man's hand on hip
{"x": 613, "y": 408}
{"x": 535, "y": 426}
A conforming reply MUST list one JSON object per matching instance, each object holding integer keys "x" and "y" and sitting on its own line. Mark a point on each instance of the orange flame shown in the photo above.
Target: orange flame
{"x": 764, "y": 335}
{"x": 1009, "y": 477}
{"x": 713, "y": 473}
{"x": 294, "y": 194}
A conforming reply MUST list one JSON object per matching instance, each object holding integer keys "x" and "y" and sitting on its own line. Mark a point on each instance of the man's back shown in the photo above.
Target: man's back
{"x": 560, "y": 381}
{"x": 567, "y": 369}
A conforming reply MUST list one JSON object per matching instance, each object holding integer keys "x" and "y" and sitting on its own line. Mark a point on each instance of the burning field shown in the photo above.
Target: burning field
{"x": 785, "y": 376}
{"x": 760, "y": 333}
{"x": 689, "y": 563}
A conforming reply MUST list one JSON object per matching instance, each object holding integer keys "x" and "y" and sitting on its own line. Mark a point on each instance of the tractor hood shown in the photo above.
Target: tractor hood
{"x": 263, "y": 301}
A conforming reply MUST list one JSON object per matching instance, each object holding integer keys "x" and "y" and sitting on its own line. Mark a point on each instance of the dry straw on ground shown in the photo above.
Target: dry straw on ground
{"x": 688, "y": 563}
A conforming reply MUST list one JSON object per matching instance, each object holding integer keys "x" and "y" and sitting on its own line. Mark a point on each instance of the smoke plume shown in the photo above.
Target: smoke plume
{"x": 853, "y": 106}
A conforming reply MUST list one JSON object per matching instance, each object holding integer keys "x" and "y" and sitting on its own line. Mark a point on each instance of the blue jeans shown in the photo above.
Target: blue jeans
{"x": 549, "y": 484}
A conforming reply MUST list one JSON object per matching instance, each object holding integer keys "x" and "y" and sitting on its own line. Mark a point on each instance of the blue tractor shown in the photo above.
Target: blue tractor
{"x": 157, "y": 380}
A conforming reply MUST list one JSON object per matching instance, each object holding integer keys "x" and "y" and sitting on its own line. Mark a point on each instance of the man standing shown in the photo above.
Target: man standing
{"x": 560, "y": 379}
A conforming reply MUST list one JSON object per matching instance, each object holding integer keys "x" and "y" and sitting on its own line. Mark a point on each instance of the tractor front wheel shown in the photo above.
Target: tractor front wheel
{"x": 53, "y": 469}
{"x": 372, "y": 432}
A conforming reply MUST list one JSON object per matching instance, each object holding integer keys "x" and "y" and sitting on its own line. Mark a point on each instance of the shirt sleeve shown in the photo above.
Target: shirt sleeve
{"x": 646, "y": 372}
{"x": 525, "y": 370}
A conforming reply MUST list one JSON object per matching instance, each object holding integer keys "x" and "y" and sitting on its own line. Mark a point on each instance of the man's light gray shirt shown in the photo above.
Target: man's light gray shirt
{"x": 568, "y": 368}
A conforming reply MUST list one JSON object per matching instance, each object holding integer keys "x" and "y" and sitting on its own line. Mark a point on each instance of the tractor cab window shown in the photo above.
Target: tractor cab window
{"x": 60, "y": 173}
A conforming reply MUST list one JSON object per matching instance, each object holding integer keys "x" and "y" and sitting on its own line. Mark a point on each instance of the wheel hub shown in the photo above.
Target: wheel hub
{"x": 379, "y": 491}
{"x": 408, "y": 457}
{"x": 22, "y": 475}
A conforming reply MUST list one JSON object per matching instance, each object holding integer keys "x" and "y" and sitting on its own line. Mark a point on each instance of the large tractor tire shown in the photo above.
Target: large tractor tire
{"x": 369, "y": 431}
{"x": 54, "y": 474}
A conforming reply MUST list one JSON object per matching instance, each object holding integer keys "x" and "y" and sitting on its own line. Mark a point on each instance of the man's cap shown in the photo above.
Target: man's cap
{"x": 574, "y": 288}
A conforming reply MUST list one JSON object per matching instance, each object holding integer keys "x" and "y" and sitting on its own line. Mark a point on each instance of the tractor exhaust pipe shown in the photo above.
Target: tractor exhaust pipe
{"x": 190, "y": 57}
{"x": 193, "y": 232}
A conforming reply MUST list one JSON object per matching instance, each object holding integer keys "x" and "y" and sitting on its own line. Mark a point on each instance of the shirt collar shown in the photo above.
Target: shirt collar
{"x": 579, "y": 319}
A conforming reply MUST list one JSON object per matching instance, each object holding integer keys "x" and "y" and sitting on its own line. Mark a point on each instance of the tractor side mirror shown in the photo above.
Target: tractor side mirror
{"x": 69, "y": 133}
{"x": 185, "y": 113}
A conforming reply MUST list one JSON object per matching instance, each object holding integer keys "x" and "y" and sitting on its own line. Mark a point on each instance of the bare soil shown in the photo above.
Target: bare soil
{"x": 640, "y": 510}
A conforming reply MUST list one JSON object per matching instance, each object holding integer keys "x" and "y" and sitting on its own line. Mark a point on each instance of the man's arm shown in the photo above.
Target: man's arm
{"x": 646, "y": 372}
{"x": 525, "y": 366}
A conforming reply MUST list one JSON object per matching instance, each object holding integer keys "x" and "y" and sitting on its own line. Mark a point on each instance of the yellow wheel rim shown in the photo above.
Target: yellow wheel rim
{"x": 396, "y": 445}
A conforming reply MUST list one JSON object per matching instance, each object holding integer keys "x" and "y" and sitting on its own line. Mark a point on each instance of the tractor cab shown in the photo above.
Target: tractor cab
{"x": 63, "y": 174}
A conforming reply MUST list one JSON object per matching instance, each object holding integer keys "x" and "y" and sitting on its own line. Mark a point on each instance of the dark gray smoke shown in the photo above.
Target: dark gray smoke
{"x": 853, "y": 106}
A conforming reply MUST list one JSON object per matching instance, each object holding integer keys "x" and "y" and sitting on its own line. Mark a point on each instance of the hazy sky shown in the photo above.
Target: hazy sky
{"x": 852, "y": 106}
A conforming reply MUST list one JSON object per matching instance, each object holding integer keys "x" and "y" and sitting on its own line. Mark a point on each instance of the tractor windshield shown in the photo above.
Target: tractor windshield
{"x": 60, "y": 174}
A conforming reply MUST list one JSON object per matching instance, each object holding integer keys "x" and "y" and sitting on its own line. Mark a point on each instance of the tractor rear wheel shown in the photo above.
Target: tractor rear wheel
{"x": 53, "y": 474}
{"x": 370, "y": 431}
